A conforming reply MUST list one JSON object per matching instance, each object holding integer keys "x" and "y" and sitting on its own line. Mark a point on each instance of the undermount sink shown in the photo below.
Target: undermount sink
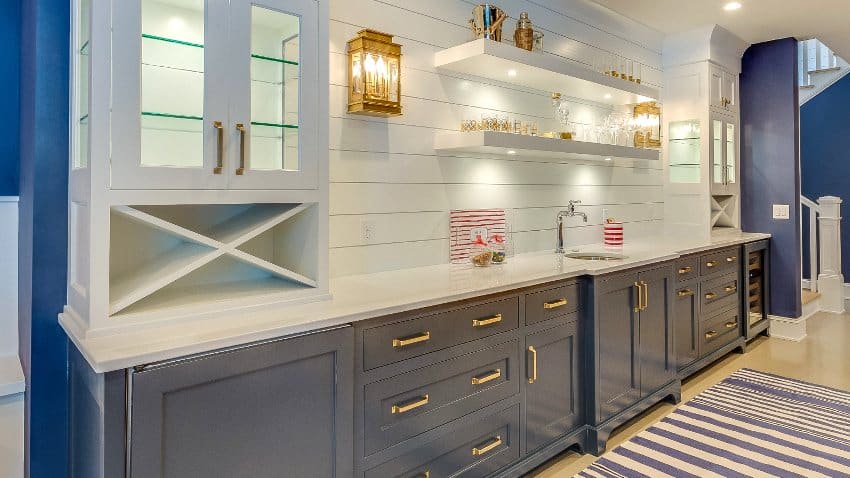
{"x": 594, "y": 256}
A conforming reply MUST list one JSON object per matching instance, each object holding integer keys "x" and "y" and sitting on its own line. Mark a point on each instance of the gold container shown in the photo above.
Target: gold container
{"x": 524, "y": 33}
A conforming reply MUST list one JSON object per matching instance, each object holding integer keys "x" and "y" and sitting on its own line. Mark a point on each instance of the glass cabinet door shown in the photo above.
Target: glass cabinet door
{"x": 717, "y": 163}
{"x": 170, "y": 94}
{"x": 273, "y": 112}
{"x": 731, "y": 154}
{"x": 82, "y": 83}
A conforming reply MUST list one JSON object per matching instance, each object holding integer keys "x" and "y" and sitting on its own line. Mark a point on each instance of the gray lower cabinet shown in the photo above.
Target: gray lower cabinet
{"x": 634, "y": 340}
{"x": 686, "y": 323}
{"x": 552, "y": 390}
{"x": 281, "y": 408}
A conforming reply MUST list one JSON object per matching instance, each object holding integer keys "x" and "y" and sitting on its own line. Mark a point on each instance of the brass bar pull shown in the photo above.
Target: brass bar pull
{"x": 731, "y": 325}
{"x": 711, "y": 334}
{"x": 241, "y": 169}
{"x": 730, "y": 288}
{"x": 685, "y": 270}
{"x": 483, "y": 322}
{"x": 555, "y": 304}
{"x": 710, "y": 295}
{"x": 685, "y": 293}
{"x": 406, "y": 407}
{"x": 413, "y": 339}
{"x": 731, "y": 258}
{"x": 645, "y": 294}
{"x": 639, "y": 296}
{"x": 488, "y": 447}
{"x": 426, "y": 474}
{"x": 219, "y": 164}
{"x": 533, "y": 351}
{"x": 488, "y": 377}
{"x": 710, "y": 263}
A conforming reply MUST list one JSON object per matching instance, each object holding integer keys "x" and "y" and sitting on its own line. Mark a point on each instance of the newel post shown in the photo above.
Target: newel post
{"x": 830, "y": 279}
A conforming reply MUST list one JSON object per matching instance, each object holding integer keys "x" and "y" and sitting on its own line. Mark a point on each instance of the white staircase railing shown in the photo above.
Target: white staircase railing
{"x": 814, "y": 56}
{"x": 825, "y": 251}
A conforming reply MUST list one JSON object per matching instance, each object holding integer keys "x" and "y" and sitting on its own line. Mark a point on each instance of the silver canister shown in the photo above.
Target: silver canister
{"x": 487, "y": 21}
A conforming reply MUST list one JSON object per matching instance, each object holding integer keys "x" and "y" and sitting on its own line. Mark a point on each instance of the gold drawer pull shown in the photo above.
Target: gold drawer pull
{"x": 711, "y": 334}
{"x": 427, "y": 474}
{"x": 533, "y": 351}
{"x": 219, "y": 155}
{"x": 710, "y": 263}
{"x": 731, "y": 325}
{"x": 730, "y": 288}
{"x": 419, "y": 402}
{"x": 413, "y": 339}
{"x": 487, "y": 377}
{"x": 488, "y": 447}
{"x": 685, "y": 270}
{"x": 241, "y": 169}
{"x": 555, "y": 304}
{"x": 685, "y": 293}
{"x": 731, "y": 258}
{"x": 710, "y": 295}
{"x": 482, "y": 322}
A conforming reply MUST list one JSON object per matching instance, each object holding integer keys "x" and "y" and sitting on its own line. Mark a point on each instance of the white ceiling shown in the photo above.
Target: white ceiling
{"x": 756, "y": 21}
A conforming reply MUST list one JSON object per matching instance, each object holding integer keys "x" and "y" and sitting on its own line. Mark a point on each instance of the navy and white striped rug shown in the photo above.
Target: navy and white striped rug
{"x": 751, "y": 424}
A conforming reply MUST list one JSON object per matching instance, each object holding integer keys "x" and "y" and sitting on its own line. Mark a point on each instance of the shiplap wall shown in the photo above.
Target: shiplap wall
{"x": 385, "y": 171}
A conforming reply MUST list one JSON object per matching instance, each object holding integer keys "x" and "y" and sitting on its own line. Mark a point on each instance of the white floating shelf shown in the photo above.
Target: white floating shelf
{"x": 542, "y": 71}
{"x": 492, "y": 142}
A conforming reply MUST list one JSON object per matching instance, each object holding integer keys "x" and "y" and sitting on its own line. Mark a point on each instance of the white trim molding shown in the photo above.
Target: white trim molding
{"x": 786, "y": 328}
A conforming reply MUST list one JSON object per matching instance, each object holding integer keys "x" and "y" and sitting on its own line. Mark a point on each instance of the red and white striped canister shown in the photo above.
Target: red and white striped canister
{"x": 612, "y": 234}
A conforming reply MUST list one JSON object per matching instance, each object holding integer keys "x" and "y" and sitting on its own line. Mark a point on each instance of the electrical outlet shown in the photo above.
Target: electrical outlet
{"x": 781, "y": 211}
{"x": 367, "y": 231}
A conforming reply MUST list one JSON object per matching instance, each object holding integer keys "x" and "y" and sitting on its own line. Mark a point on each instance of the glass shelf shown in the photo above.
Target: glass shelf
{"x": 175, "y": 41}
{"x": 200, "y": 118}
{"x": 684, "y": 152}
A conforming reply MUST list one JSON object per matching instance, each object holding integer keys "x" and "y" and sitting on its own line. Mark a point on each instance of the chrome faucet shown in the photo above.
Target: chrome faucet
{"x": 569, "y": 212}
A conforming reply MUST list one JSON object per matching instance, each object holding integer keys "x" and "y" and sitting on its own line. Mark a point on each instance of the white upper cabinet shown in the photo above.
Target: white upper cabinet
{"x": 214, "y": 94}
{"x": 723, "y": 89}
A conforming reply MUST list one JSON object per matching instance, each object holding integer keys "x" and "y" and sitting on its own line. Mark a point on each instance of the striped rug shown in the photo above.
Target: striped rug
{"x": 750, "y": 424}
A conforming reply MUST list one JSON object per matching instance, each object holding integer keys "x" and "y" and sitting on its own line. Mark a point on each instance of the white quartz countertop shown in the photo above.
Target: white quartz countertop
{"x": 356, "y": 298}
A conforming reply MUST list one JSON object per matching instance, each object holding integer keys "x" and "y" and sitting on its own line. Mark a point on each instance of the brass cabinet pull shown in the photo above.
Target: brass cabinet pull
{"x": 555, "y": 304}
{"x": 482, "y": 322}
{"x": 241, "y": 169}
{"x": 731, "y": 258}
{"x": 685, "y": 270}
{"x": 645, "y": 294}
{"x": 533, "y": 377}
{"x": 419, "y": 402}
{"x": 426, "y": 474}
{"x": 730, "y": 288}
{"x": 488, "y": 377}
{"x": 219, "y": 165}
{"x": 638, "y": 293}
{"x": 413, "y": 339}
{"x": 710, "y": 295}
{"x": 711, "y": 334}
{"x": 710, "y": 263}
{"x": 731, "y": 325}
{"x": 685, "y": 293}
{"x": 488, "y": 447}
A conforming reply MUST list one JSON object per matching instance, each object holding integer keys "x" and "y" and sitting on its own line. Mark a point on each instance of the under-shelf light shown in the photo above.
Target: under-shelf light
{"x": 510, "y": 151}
{"x": 732, "y": 6}
{"x": 607, "y": 159}
{"x": 512, "y": 73}
{"x": 607, "y": 96}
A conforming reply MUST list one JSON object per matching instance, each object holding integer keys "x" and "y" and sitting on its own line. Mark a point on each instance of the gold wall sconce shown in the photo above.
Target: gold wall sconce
{"x": 647, "y": 117}
{"x": 374, "y": 74}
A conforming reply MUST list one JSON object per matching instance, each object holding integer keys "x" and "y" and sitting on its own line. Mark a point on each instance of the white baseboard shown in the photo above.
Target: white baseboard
{"x": 786, "y": 328}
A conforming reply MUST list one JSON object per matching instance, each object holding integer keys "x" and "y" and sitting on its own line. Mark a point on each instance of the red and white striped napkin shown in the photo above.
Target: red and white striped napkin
{"x": 612, "y": 233}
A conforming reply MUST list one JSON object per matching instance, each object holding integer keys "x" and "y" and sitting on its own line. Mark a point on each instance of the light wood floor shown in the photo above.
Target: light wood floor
{"x": 822, "y": 358}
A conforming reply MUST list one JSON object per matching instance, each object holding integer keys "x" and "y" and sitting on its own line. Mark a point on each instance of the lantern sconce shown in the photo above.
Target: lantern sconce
{"x": 647, "y": 118}
{"x": 374, "y": 74}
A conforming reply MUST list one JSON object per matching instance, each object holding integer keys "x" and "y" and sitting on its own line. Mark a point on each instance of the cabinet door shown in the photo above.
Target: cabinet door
{"x": 716, "y": 153}
{"x": 552, "y": 394}
{"x": 657, "y": 366}
{"x": 686, "y": 324}
{"x": 730, "y": 90}
{"x": 273, "y": 409}
{"x": 170, "y": 94}
{"x": 275, "y": 58}
{"x": 618, "y": 379}
{"x": 730, "y": 155}
{"x": 715, "y": 86}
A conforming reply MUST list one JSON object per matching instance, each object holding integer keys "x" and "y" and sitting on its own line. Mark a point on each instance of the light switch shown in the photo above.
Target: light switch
{"x": 781, "y": 211}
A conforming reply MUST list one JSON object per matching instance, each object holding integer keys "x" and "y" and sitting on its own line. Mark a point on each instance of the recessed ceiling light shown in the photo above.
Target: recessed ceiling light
{"x": 510, "y": 151}
{"x": 732, "y": 6}
{"x": 607, "y": 96}
{"x": 511, "y": 72}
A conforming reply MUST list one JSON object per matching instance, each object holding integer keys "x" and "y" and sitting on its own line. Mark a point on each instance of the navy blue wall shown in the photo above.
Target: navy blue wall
{"x": 825, "y": 153}
{"x": 43, "y": 231}
{"x": 10, "y": 38}
{"x": 770, "y": 166}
